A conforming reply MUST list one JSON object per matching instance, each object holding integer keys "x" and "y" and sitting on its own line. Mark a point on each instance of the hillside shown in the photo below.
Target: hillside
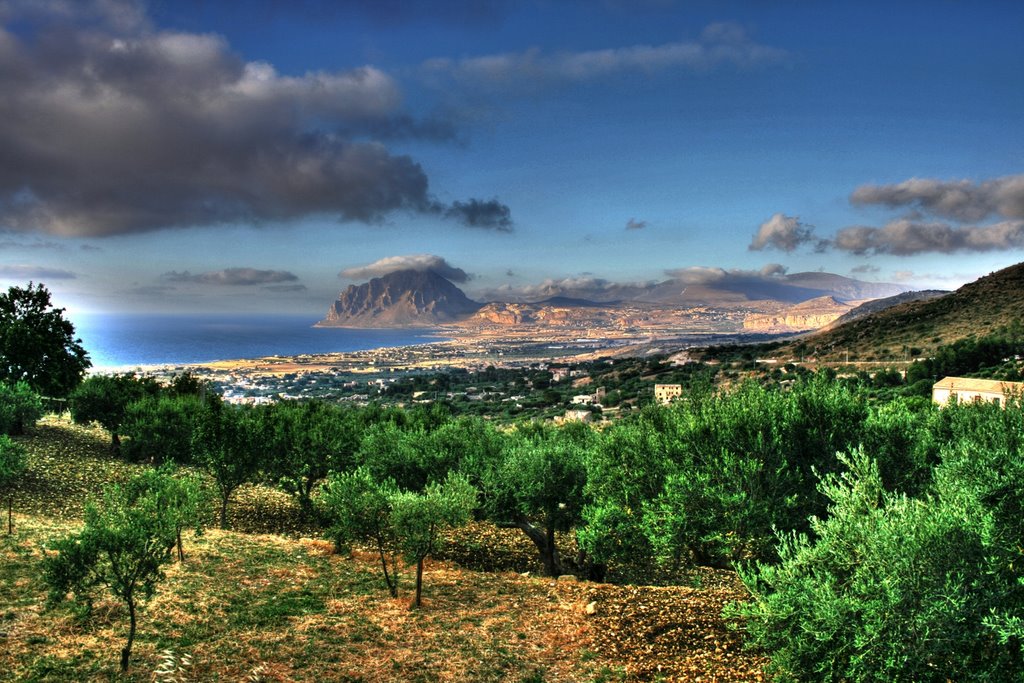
{"x": 283, "y": 607}
{"x": 917, "y": 328}
{"x": 876, "y": 305}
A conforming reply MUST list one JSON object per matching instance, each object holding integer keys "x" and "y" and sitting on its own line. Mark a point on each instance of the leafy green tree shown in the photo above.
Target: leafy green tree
{"x": 181, "y": 499}
{"x": 160, "y": 429}
{"x": 538, "y": 487}
{"x": 306, "y": 441}
{"x": 37, "y": 344}
{"x": 898, "y": 588}
{"x": 391, "y": 451}
{"x": 228, "y": 443}
{"x": 19, "y": 407}
{"x": 105, "y": 399}
{"x": 418, "y": 519}
{"x": 126, "y": 540}
{"x": 357, "y": 508}
{"x": 13, "y": 463}
{"x": 625, "y": 470}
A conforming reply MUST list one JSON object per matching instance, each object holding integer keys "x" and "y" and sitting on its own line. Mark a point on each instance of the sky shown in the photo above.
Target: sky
{"x": 201, "y": 156}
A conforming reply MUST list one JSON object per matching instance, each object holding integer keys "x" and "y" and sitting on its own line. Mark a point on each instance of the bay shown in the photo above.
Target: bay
{"x": 125, "y": 341}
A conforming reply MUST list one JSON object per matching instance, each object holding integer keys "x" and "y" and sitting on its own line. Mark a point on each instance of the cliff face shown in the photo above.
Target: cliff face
{"x": 809, "y": 315}
{"x": 406, "y": 298}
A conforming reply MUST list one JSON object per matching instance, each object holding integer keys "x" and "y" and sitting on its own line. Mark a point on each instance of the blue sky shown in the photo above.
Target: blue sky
{"x": 203, "y": 156}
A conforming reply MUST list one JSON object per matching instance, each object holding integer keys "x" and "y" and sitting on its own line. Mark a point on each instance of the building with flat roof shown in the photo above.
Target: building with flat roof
{"x": 666, "y": 393}
{"x": 970, "y": 389}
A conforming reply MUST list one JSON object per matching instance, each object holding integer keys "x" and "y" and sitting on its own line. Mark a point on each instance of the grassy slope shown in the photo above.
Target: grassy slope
{"x": 976, "y": 309}
{"x": 288, "y": 607}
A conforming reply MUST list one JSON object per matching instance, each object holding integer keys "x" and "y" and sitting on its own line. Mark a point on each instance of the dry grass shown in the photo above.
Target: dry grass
{"x": 292, "y": 610}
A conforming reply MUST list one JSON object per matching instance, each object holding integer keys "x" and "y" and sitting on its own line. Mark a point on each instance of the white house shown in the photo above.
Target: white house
{"x": 968, "y": 389}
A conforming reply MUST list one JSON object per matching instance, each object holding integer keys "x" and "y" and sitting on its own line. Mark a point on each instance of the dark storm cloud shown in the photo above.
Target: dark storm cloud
{"x": 959, "y": 200}
{"x": 421, "y": 262}
{"x": 907, "y": 237}
{"x": 475, "y": 213}
{"x": 110, "y": 127}
{"x": 233, "y": 277}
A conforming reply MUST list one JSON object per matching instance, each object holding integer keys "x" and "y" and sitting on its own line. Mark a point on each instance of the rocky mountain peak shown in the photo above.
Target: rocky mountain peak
{"x": 404, "y": 298}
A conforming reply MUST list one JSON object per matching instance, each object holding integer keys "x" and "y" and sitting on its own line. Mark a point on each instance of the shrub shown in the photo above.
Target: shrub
{"x": 19, "y": 407}
{"x": 893, "y": 588}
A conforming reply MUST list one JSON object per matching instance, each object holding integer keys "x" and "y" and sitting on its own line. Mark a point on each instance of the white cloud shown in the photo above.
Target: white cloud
{"x": 420, "y": 262}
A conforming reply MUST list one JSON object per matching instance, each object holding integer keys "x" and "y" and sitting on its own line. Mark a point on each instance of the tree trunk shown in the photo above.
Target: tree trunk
{"x": 224, "y": 510}
{"x": 181, "y": 551}
{"x": 392, "y": 586}
{"x": 126, "y": 653}
{"x": 419, "y": 582}
{"x": 552, "y": 562}
{"x": 10, "y": 515}
{"x": 115, "y": 442}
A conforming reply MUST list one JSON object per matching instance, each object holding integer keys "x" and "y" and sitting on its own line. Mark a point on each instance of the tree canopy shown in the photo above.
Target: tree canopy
{"x": 38, "y": 344}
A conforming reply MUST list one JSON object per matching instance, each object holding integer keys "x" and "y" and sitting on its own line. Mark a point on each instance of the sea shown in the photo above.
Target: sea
{"x": 128, "y": 341}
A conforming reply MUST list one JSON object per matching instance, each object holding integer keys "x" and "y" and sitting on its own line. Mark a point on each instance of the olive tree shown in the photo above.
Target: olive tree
{"x": 228, "y": 444}
{"x": 357, "y": 508}
{"x": 12, "y": 465}
{"x": 127, "y": 538}
{"x": 417, "y": 519}
{"x": 397, "y": 523}
{"x": 19, "y": 406}
{"x": 537, "y": 487}
{"x": 105, "y": 399}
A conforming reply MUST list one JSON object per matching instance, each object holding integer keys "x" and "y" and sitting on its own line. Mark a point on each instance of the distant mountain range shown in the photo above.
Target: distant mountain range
{"x": 411, "y": 298}
{"x": 922, "y": 323}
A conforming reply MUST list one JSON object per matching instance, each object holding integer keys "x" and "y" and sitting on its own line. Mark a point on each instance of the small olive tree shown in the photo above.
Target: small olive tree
{"x": 20, "y": 407}
{"x": 418, "y": 519}
{"x": 358, "y": 509}
{"x": 397, "y": 523}
{"x": 12, "y": 465}
{"x": 228, "y": 443}
{"x": 127, "y": 538}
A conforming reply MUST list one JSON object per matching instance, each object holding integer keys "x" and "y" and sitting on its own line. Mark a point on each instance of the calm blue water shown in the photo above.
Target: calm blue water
{"x": 130, "y": 340}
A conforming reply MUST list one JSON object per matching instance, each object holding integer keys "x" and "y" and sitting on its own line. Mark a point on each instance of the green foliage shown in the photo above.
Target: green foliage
{"x": 12, "y": 461}
{"x": 105, "y": 399}
{"x": 305, "y": 442}
{"x": 37, "y": 344}
{"x": 899, "y": 436}
{"x": 625, "y": 470}
{"x": 358, "y": 509}
{"x": 20, "y": 406}
{"x": 418, "y": 519}
{"x": 126, "y": 540}
{"x": 228, "y": 443}
{"x": 539, "y": 481}
{"x": 160, "y": 429}
{"x": 893, "y": 588}
{"x": 180, "y": 499}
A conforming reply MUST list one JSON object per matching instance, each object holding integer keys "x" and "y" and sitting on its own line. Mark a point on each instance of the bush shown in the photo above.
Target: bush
{"x": 19, "y": 407}
{"x": 160, "y": 429}
{"x": 894, "y": 588}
